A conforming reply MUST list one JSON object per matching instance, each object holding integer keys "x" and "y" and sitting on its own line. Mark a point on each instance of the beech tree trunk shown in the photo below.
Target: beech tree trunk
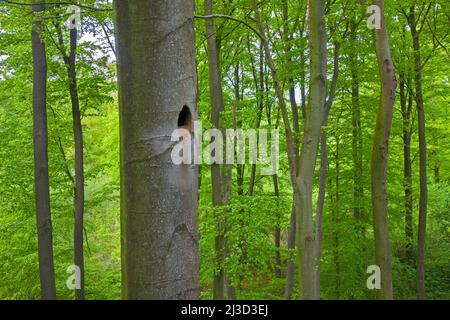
{"x": 336, "y": 218}
{"x": 41, "y": 179}
{"x": 406, "y": 108}
{"x": 157, "y": 94}
{"x": 302, "y": 185}
{"x": 259, "y": 83}
{"x": 380, "y": 156}
{"x": 290, "y": 268}
{"x": 358, "y": 207}
{"x": 290, "y": 265}
{"x": 287, "y": 36}
{"x": 79, "y": 163}
{"x": 70, "y": 62}
{"x": 315, "y": 115}
{"x": 292, "y": 158}
{"x": 423, "y": 199}
{"x": 324, "y": 167}
{"x": 220, "y": 174}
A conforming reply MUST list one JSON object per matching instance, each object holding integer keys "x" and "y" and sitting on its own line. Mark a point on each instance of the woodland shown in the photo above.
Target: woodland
{"x": 93, "y": 207}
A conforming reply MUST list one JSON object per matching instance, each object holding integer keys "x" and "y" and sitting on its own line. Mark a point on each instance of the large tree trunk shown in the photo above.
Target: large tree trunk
{"x": 157, "y": 93}
{"x": 423, "y": 199}
{"x": 380, "y": 156}
{"x": 41, "y": 180}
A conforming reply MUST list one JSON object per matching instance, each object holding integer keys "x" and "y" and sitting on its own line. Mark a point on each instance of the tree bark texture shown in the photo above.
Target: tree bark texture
{"x": 380, "y": 156}
{"x": 41, "y": 178}
{"x": 157, "y": 79}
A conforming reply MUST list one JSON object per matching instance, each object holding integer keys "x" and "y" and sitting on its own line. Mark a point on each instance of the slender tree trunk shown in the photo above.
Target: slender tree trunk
{"x": 380, "y": 156}
{"x": 260, "y": 88}
{"x": 436, "y": 167}
{"x": 41, "y": 179}
{"x": 315, "y": 115}
{"x": 287, "y": 37}
{"x": 282, "y": 103}
{"x": 406, "y": 107}
{"x": 302, "y": 185}
{"x": 220, "y": 174}
{"x": 324, "y": 168}
{"x": 240, "y": 170}
{"x": 290, "y": 270}
{"x": 157, "y": 93}
{"x": 70, "y": 62}
{"x": 356, "y": 132}
{"x": 79, "y": 166}
{"x": 284, "y": 112}
{"x": 277, "y": 234}
{"x": 423, "y": 199}
{"x": 336, "y": 220}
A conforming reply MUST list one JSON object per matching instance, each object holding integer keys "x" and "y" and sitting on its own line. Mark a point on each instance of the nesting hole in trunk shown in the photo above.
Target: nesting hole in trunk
{"x": 185, "y": 119}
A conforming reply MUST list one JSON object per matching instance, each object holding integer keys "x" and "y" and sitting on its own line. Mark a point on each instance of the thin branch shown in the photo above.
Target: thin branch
{"x": 60, "y": 3}
{"x": 108, "y": 39}
{"x": 224, "y": 16}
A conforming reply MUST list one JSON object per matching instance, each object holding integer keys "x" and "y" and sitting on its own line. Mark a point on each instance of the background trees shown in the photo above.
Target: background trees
{"x": 257, "y": 242}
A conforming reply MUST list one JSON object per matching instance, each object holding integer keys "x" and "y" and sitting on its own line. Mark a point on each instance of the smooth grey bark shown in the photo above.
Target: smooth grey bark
{"x": 41, "y": 179}
{"x": 380, "y": 156}
{"x": 157, "y": 80}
